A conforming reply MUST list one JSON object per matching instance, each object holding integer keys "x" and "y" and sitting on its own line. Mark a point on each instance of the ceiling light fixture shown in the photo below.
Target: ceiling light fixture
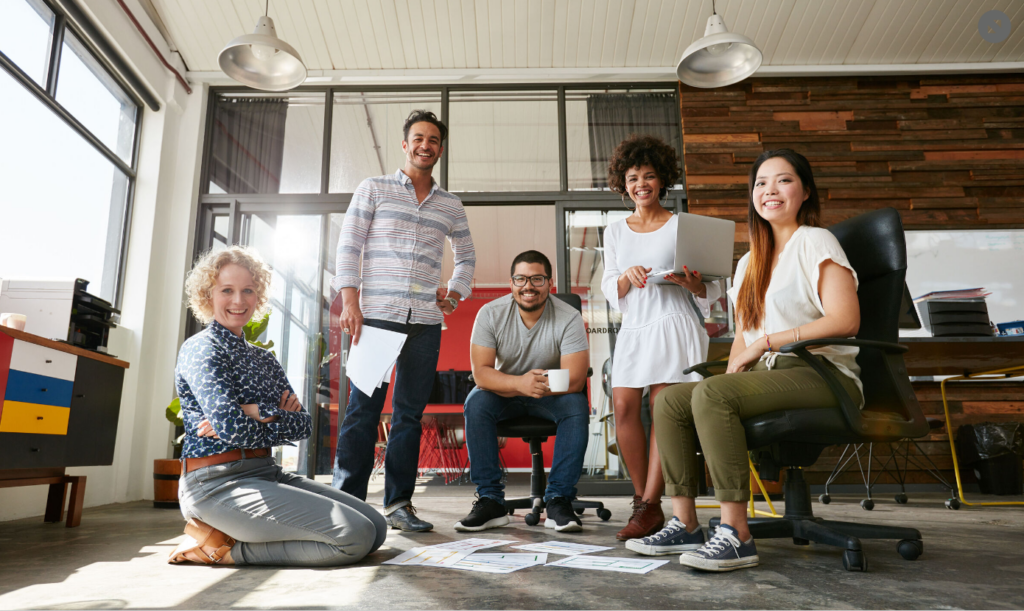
{"x": 720, "y": 58}
{"x": 261, "y": 60}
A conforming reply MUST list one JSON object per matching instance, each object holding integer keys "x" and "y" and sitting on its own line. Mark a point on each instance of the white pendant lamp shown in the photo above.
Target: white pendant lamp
{"x": 720, "y": 58}
{"x": 261, "y": 60}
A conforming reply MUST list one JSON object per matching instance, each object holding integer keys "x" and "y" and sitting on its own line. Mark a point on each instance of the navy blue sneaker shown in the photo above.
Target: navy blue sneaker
{"x": 724, "y": 552}
{"x": 671, "y": 539}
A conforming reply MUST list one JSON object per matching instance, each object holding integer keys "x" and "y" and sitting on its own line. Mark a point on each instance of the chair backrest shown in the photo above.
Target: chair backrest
{"x": 572, "y": 299}
{"x": 875, "y": 244}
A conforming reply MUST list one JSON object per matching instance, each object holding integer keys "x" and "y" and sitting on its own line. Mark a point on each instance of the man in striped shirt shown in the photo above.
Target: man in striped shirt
{"x": 398, "y": 224}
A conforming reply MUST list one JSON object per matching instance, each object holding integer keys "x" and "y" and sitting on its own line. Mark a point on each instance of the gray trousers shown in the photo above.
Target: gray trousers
{"x": 279, "y": 518}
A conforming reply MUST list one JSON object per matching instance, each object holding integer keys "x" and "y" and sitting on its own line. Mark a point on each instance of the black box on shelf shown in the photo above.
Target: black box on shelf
{"x": 952, "y": 317}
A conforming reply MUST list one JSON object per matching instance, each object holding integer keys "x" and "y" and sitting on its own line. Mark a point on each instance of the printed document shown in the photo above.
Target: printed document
{"x": 499, "y": 563}
{"x": 426, "y": 556}
{"x": 563, "y": 548}
{"x": 371, "y": 361}
{"x": 604, "y": 563}
{"x": 469, "y": 545}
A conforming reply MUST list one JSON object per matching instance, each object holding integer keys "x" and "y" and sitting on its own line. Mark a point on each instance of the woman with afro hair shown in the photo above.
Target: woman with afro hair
{"x": 661, "y": 334}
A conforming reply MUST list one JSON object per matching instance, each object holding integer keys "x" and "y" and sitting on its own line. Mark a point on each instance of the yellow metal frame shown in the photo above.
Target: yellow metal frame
{"x": 984, "y": 375}
{"x": 754, "y": 512}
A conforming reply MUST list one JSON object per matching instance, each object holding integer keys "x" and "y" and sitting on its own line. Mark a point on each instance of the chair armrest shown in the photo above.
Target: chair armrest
{"x": 886, "y": 347}
{"x": 703, "y": 368}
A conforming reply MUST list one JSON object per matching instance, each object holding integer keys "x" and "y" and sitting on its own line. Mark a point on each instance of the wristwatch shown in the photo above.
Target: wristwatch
{"x": 453, "y": 301}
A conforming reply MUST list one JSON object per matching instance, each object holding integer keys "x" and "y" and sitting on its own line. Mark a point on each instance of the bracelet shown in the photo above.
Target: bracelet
{"x": 796, "y": 331}
{"x": 769, "y": 342}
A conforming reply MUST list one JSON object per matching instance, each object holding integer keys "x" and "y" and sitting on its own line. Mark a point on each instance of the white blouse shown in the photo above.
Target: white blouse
{"x": 792, "y": 299}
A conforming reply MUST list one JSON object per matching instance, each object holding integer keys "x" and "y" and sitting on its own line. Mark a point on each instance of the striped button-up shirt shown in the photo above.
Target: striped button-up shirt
{"x": 402, "y": 243}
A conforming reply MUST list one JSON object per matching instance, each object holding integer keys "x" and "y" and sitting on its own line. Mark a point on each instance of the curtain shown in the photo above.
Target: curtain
{"x": 613, "y": 117}
{"x": 248, "y": 145}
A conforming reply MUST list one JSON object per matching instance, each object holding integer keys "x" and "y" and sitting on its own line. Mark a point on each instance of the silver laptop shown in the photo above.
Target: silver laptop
{"x": 703, "y": 244}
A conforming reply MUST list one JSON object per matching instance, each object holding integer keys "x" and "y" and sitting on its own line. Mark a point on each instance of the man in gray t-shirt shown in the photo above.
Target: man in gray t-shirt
{"x": 515, "y": 340}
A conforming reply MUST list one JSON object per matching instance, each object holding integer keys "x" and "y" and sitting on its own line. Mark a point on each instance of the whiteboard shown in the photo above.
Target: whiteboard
{"x": 948, "y": 260}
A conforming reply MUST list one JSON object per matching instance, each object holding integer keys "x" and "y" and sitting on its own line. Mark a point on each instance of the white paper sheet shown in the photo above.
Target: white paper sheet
{"x": 425, "y": 556}
{"x": 499, "y": 563}
{"x": 373, "y": 357}
{"x": 469, "y": 545}
{"x": 604, "y": 563}
{"x": 563, "y": 548}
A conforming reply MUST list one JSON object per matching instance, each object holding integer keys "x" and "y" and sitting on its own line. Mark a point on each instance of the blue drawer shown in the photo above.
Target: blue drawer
{"x": 34, "y": 388}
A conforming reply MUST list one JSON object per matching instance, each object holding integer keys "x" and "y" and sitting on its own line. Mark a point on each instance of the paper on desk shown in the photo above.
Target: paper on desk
{"x": 426, "y": 556}
{"x": 499, "y": 563}
{"x": 373, "y": 357}
{"x": 469, "y": 545}
{"x": 605, "y": 563}
{"x": 563, "y": 548}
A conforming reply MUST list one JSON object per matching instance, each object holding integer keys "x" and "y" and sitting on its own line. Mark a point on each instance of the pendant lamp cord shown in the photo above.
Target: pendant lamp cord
{"x": 712, "y": 7}
{"x": 266, "y": 13}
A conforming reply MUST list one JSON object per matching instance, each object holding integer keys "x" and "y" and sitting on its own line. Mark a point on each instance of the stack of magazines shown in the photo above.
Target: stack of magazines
{"x": 955, "y": 313}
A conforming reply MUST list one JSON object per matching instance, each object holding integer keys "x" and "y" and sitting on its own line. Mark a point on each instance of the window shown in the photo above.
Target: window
{"x": 68, "y": 179}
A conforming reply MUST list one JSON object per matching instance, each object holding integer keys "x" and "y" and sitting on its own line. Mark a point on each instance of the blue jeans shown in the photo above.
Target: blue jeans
{"x": 484, "y": 410}
{"x": 414, "y": 380}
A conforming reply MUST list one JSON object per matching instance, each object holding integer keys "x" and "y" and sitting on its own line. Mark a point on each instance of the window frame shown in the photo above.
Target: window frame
{"x": 72, "y": 19}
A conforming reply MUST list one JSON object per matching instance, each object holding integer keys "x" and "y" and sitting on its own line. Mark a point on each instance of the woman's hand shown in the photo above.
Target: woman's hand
{"x": 253, "y": 411}
{"x": 290, "y": 402}
{"x": 636, "y": 275}
{"x": 205, "y": 429}
{"x": 747, "y": 359}
{"x": 691, "y": 281}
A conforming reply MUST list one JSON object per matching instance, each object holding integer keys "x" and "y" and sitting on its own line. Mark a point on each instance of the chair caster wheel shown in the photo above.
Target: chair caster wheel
{"x": 511, "y": 512}
{"x": 824, "y": 499}
{"x": 901, "y": 498}
{"x": 910, "y": 549}
{"x": 799, "y": 541}
{"x": 855, "y": 560}
{"x": 867, "y": 504}
{"x": 604, "y": 514}
{"x": 953, "y": 504}
{"x": 579, "y": 511}
{"x": 532, "y": 519}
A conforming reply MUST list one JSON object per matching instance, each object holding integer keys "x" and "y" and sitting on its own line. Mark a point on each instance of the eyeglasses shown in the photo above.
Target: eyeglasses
{"x": 534, "y": 280}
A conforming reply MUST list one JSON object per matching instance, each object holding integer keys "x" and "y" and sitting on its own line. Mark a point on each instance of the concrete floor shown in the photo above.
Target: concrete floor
{"x": 117, "y": 559}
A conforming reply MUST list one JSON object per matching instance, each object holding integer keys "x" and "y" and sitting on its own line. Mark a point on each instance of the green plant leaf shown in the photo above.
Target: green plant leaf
{"x": 255, "y": 328}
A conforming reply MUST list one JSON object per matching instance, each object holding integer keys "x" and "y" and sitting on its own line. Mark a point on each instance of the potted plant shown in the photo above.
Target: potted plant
{"x": 167, "y": 471}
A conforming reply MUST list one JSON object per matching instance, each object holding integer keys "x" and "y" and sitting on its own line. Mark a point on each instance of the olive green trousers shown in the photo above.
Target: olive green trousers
{"x": 713, "y": 411}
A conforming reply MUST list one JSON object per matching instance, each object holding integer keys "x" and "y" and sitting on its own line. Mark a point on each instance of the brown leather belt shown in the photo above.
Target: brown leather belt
{"x": 191, "y": 464}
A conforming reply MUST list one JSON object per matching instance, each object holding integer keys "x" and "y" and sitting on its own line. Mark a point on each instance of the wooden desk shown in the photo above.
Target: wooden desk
{"x": 59, "y": 406}
{"x": 936, "y": 356}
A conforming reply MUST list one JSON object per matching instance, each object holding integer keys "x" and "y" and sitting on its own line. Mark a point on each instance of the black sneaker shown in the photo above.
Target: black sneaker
{"x": 723, "y": 552}
{"x": 486, "y": 513}
{"x": 404, "y": 519}
{"x": 561, "y": 516}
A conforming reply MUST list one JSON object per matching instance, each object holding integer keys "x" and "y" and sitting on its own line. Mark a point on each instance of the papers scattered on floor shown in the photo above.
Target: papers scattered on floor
{"x": 563, "y": 548}
{"x": 469, "y": 545}
{"x": 605, "y": 563}
{"x": 371, "y": 361}
{"x": 499, "y": 563}
{"x": 428, "y": 556}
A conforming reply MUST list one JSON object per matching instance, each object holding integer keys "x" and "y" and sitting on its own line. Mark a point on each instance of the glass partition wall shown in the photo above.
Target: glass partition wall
{"x": 529, "y": 163}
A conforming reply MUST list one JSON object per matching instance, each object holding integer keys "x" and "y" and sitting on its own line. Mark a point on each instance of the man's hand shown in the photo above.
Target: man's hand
{"x": 205, "y": 429}
{"x": 290, "y": 402}
{"x": 441, "y": 299}
{"x": 253, "y": 411}
{"x": 534, "y": 384}
{"x": 351, "y": 320}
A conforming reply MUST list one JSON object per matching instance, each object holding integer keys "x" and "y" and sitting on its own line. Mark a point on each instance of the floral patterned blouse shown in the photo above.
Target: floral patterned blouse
{"x": 217, "y": 373}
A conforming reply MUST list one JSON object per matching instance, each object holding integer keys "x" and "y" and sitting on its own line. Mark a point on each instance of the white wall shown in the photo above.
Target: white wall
{"x": 160, "y": 246}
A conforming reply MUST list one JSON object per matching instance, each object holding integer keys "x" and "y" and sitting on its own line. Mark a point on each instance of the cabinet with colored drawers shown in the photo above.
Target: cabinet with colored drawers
{"x": 59, "y": 408}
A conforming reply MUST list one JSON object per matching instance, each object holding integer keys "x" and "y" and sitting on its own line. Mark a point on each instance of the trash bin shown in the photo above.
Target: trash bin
{"x": 994, "y": 451}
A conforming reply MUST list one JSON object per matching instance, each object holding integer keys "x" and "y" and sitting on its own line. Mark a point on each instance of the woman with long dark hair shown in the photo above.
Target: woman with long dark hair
{"x": 795, "y": 283}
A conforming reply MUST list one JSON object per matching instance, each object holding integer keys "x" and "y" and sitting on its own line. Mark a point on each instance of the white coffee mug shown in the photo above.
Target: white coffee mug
{"x": 13, "y": 321}
{"x": 558, "y": 380}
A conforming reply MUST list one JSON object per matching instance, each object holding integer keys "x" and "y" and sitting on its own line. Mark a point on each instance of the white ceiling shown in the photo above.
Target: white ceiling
{"x": 483, "y": 40}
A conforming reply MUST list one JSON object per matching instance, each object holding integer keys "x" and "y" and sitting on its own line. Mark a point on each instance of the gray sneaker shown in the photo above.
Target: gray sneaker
{"x": 724, "y": 552}
{"x": 672, "y": 539}
{"x": 404, "y": 519}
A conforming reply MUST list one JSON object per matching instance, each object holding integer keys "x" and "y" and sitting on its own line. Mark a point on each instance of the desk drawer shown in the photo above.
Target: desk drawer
{"x": 32, "y": 388}
{"x": 20, "y": 417}
{"x": 21, "y": 451}
{"x": 48, "y": 362}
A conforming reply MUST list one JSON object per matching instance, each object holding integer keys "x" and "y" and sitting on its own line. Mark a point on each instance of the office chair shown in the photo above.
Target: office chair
{"x": 793, "y": 439}
{"x": 536, "y": 431}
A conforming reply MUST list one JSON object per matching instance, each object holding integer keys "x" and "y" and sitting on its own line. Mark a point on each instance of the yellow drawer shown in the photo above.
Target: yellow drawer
{"x": 19, "y": 417}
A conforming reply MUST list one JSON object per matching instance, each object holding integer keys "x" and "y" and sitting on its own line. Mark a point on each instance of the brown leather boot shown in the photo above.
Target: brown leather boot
{"x": 647, "y": 519}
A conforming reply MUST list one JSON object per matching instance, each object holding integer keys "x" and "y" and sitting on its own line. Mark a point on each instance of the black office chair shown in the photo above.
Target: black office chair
{"x": 874, "y": 243}
{"x": 536, "y": 431}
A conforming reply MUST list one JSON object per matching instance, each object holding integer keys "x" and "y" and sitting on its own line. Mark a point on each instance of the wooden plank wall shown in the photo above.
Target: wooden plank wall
{"x": 947, "y": 152}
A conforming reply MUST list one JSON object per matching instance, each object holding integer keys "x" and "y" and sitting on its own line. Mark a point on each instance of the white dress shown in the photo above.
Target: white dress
{"x": 661, "y": 335}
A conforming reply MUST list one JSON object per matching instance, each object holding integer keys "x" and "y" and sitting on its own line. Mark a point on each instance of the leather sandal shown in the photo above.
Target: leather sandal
{"x": 201, "y": 534}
